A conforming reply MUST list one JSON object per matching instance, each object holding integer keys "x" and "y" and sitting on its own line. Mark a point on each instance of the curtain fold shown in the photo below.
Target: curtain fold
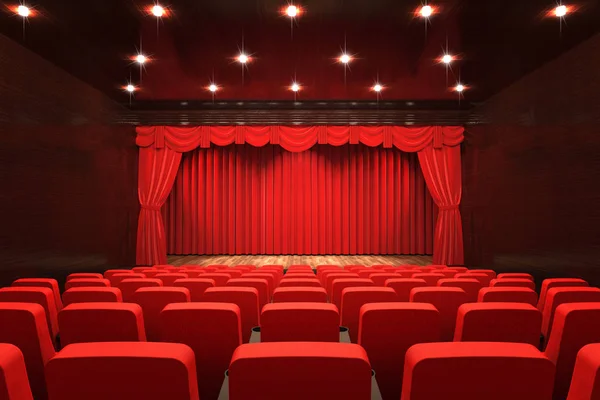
{"x": 326, "y": 200}
{"x": 442, "y": 171}
{"x": 157, "y": 171}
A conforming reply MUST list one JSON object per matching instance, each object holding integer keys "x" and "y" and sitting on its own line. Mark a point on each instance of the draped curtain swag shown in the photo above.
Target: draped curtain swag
{"x": 160, "y": 156}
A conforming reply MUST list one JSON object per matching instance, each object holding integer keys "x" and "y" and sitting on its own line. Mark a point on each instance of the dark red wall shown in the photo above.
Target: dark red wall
{"x": 68, "y": 178}
{"x": 532, "y": 174}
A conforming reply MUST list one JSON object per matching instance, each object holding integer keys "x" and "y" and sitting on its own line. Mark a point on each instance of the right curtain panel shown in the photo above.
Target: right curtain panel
{"x": 442, "y": 171}
{"x": 351, "y": 199}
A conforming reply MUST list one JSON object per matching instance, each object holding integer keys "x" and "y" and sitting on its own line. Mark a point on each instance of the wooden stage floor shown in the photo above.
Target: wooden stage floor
{"x": 286, "y": 260}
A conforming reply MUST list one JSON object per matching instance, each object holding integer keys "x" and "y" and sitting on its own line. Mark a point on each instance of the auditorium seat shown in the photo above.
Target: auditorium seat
{"x": 277, "y": 267}
{"x": 515, "y": 275}
{"x": 406, "y": 274}
{"x": 458, "y": 269}
{"x": 299, "y": 267}
{"x": 306, "y": 282}
{"x": 262, "y": 285}
{"x": 194, "y": 273}
{"x": 561, "y": 295}
{"x": 151, "y": 273}
{"x": 489, "y": 272}
{"x": 81, "y": 282}
{"x": 507, "y": 295}
{"x": 212, "y": 331}
{"x": 575, "y": 325}
{"x": 381, "y": 266}
{"x": 246, "y": 266}
{"x": 24, "y": 325}
{"x": 353, "y": 298}
{"x": 513, "y": 282}
{"x": 448, "y": 273}
{"x": 220, "y": 278}
{"x": 484, "y": 279}
{"x": 299, "y": 371}
{"x": 219, "y": 267}
{"x": 235, "y": 273}
{"x": 351, "y": 266}
{"x": 470, "y": 286}
{"x": 498, "y": 322}
{"x": 123, "y": 370}
{"x": 477, "y": 371}
{"x": 129, "y": 286}
{"x": 85, "y": 275}
{"x": 447, "y": 300}
{"x": 91, "y": 295}
{"x": 300, "y": 294}
{"x": 548, "y": 284}
{"x": 327, "y": 280}
{"x": 439, "y": 266}
{"x": 430, "y": 278}
{"x": 168, "y": 278}
{"x": 323, "y": 267}
{"x": 356, "y": 268}
{"x": 110, "y": 272}
{"x": 14, "y": 384}
{"x": 117, "y": 278}
{"x": 139, "y": 269}
{"x": 36, "y": 295}
{"x": 338, "y": 285}
{"x": 153, "y": 300}
{"x": 270, "y": 278}
{"x": 308, "y": 275}
{"x": 101, "y": 322}
{"x": 196, "y": 286}
{"x": 166, "y": 267}
{"x": 387, "y": 331}
{"x": 300, "y": 322}
{"x": 424, "y": 270}
{"x": 246, "y": 298}
{"x": 379, "y": 278}
{"x": 51, "y": 284}
{"x": 403, "y": 286}
{"x": 585, "y": 384}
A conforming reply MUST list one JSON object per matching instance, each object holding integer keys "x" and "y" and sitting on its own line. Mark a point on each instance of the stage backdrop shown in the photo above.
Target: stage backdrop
{"x": 438, "y": 149}
{"x": 351, "y": 199}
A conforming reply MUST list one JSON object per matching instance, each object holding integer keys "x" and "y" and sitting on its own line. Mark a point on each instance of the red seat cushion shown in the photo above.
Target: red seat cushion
{"x": 295, "y": 293}
{"x": 123, "y": 370}
{"x": 299, "y": 322}
{"x": 14, "y": 384}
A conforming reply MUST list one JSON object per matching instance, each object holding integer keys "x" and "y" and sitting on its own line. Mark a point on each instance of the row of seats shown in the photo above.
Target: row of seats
{"x": 299, "y": 370}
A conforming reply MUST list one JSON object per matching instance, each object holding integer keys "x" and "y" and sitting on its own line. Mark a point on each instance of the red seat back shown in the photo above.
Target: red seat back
{"x": 92, "y": 295}
{"x": 507, "y": 295}
{"x": 84, "y": 275}
{"x": 515, "y": 275}
{"x": 213, "y": 343}
{"x": 169, "y": 278}
{"x": 115, "y": 279}
{"x": 14, "y": 384}
{"x": 353, "y": 298}
{"x": 403, "y": 286}
{"x": 300, "y": 294}
{"x": 300, "y": 322}
{"x": 484, "y": 279}
{"x": 196, "y": 286}
{"x": 262, "y": 285}
{"x": 153, "y": 300}
{"x": 37, "y": 295}
{"x": 489, "y": 272}
{"x": 306, "y": 282}
{"x": 430, "y": 278}
{"x": 477, "y": 371}
{"x": 129, "y": 286}
{"x": 101, "y": 322}
{"x": 299, "y": 267}
{"x": 84, "y": 282}
{"x": 470, "y": 286}
{"x": 299, "y": 275}
{"x": 328, "y": 277}
{"x": 51, "y": 284}
{"x": 387, "y": 331}
{"x": 575, "y": 325}
{"x": 110, "y": 272}
{"x": 316, "y": 371}
{"x": 220, "y": 278}
{"x": 498, "y": 322}
{"x": 246, "y": 298}
{"x": 335, "y": 296}
{"x": 548, "y": 284}
{"x": 24, "y": 326}
{"x": 379, "y": 278}
{"x": 586, "y": 375}
{"x": 270, "y": 278}
{"x": 123, "y": 370}
{"x": 513, "y": 282}
{"x": 447, "y": 300}
{"x": 561, "y": 295}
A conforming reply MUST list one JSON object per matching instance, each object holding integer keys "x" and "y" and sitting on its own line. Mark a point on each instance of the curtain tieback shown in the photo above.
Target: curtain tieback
{"x": 148, "y": 207}
{"x": 452, "y": 207}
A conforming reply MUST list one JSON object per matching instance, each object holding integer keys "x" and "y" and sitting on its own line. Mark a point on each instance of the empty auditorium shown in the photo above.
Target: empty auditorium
{"x": 300, "y": 200}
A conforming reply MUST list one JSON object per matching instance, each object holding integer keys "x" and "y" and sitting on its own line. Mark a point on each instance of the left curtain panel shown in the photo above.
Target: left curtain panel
{"x": 351, "y": 199}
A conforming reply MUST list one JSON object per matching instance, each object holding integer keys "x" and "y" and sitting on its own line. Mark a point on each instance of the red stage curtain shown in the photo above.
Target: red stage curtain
{"x": 326, "y": 200}
{"x": 442, "y": 170}
{"x": 157, "y": 171}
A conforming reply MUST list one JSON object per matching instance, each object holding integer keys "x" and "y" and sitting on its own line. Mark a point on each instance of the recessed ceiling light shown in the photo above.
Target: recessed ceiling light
{"x": 23, "y": 11}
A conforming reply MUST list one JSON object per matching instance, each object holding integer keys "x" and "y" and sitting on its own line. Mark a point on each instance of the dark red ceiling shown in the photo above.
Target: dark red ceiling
{"x": 500, "y": 42}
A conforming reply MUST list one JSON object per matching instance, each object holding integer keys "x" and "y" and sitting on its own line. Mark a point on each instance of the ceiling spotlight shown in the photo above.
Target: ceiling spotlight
{"x": 158, "y": 11}
{"x": 130, "y": 88}
{"x": 295, "y": 87}
{"x": 213, "y": 88}
{"x": 23, "y": 11}
{"x": 292, "y": 11}
{"x": 141, "y": 59}
{"x": 377, "y": 88}
{"x": 426, "y": 11}
{"x": 459, "y": 88}
{"x": 243, "y": 58}
{"x": 345, "y": 58}
{"x": 561, "y": 11}
{"x": 447, "y": 59}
